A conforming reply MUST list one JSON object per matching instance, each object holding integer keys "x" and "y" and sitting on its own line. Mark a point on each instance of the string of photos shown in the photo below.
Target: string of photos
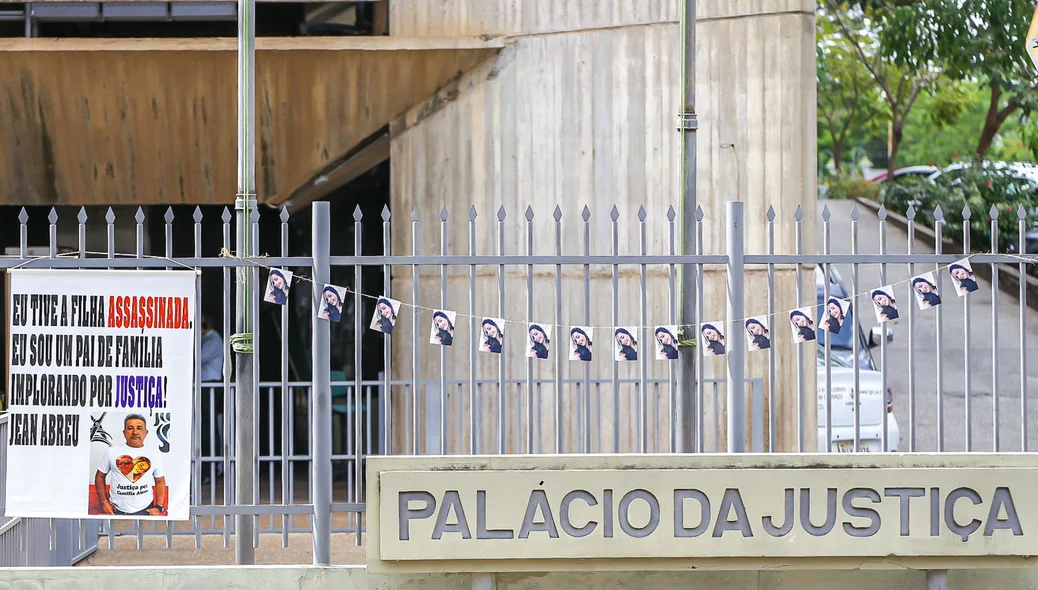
{"x": 803, "y": 322}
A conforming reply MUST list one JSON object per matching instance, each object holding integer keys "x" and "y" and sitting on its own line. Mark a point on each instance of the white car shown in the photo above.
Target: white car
{"x": 919, "y": 171}
{"x": 873, "y": 401}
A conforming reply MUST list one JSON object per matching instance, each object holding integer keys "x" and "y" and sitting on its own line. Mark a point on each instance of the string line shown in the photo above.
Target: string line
{"x": 224, "y": 253}
{"x": 421, "y": 308}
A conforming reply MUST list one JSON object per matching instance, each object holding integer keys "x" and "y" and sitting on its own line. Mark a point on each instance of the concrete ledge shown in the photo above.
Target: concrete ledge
{"x": 40, "y": 44}
{"x": 1008, "y": 275}
{"x": 357, "y": 578}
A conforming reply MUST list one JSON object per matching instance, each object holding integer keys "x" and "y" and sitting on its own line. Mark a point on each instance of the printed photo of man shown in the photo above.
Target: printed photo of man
{"x": 130, "y": 481}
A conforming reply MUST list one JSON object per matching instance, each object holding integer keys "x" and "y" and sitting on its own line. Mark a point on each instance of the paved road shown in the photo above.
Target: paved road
{"x": 952, "y": 350}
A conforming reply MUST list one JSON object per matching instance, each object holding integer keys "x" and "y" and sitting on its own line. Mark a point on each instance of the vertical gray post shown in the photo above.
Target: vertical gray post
{"x": 687, "y": 125}
{"x": 321, "y": 407}
{"x": 733, "y": 340}
{"x": 936, "y": 580}
{"x": 241, "y": 341}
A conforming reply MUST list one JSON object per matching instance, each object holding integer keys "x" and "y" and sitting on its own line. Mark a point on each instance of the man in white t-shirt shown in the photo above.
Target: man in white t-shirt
{"x": 137, "y": 476}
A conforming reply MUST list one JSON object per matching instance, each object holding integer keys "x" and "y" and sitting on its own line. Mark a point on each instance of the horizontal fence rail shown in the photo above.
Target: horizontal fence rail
{"x": 947, "y": 378}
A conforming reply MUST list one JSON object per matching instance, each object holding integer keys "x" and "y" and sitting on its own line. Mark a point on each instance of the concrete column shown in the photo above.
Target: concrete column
{"x": 581, "y": 109}
{"x": 757, "y": 144}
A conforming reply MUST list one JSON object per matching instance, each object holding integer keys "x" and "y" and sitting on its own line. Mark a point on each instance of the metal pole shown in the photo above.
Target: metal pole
{"x": 687, "y": 125}
{"x": 936, "y": 580}
{"x": 321, "y": 407}
{"x": 241, "y": 342}
{"x": 733, "y": 340}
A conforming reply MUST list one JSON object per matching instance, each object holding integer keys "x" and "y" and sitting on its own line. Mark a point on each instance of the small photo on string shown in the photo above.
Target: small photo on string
{"x": 834, "y": 314}
{"x": 757, "y": 335}
{"x": 580, "y": 345}
{"x": 666, "y": 343}
{"x": 491, "y": 335}
{"x": 540, "y": 341}
{"x": 713, "y": 339}
{"x": 803, "y": 325}
{"x": 384, "y": 318}
{"x": 924, "y": 287}
{"x": 279, "y": 281}
{"x": 331, "y": 303}
{"x": 962, "y": 275}
{"x": 625, "y": 345}
{"x": 884, "y": 304}
{"x": 442, "y": 332}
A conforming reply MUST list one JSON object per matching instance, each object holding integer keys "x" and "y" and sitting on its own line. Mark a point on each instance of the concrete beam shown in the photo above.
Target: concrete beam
{"x": 228, "y": 44}
{"x": 178, "y": 1}
{"x": 337, "y": 173}
{"x": 153, "y": 121}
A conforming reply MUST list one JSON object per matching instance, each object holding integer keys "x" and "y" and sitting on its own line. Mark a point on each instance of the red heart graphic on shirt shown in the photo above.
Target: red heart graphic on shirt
{"x": 125, "y": 464}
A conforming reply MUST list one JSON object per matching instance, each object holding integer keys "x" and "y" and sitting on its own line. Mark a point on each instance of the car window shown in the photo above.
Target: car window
{"x": 842, "y": 345}
{"x": 838, "y": 360}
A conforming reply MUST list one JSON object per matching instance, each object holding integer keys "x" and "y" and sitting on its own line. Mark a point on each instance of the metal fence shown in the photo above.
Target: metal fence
{"x": 40, "y": 541}
{"x": 952, "y": 376}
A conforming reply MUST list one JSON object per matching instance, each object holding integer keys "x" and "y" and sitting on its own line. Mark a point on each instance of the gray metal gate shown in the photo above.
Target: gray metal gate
{"x": 587, "y": 270}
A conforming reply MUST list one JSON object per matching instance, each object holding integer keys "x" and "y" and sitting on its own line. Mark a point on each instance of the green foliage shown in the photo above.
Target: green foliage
{"x": 842, "y": 186}
{"x": 979, "y": 187}
{"x": 897, "y": 195}
{"x": 1029, "y": 136}
{"x": 969, "y": 41}
{"x": 965, "y": 38}
{"x": 862, "y": 26}
{"x": 848, "y": 98}
{"x": 980, "y": 103}
{"x": 947, "y": 101}
{"x": 928, "y": 143}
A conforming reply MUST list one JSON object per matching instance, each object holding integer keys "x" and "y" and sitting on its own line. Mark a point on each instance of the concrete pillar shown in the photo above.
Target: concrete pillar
{"x": 757, "y": 144}
{"x": 581, "y": 110}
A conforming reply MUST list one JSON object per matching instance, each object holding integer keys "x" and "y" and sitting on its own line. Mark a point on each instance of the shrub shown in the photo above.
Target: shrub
{"x": 846, "y": 187}
{"x": 976, "y": 187}
{"x": 980, "y": 188}
{"x": 909, "y": 190}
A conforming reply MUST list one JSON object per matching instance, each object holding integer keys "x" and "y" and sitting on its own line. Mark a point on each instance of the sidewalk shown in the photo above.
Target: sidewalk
{"x": 212, "y": 552}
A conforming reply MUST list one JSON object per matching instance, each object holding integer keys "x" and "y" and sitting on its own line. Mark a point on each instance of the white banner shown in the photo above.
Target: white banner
{"x": 100, "y": 393}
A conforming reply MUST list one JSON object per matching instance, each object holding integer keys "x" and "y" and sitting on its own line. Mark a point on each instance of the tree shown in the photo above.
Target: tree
{"x": 861, "y": 24}
{"x": 971, "y": 40}
{"x": 943, "y": 127}
{"x": 848, "y": 100}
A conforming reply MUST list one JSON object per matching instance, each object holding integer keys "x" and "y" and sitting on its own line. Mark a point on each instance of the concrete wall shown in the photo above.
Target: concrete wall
{"x": 568, "y": 120}
{"x": 357, "y": 578}
{"x": 756, "y": 91}
{"x": 580, "y": 110}
{"x": 440, "y": 18}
